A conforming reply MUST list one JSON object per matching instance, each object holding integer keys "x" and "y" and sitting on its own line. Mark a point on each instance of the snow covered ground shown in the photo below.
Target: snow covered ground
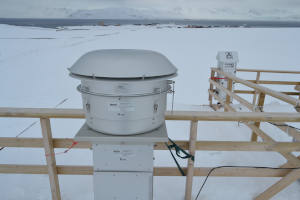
{"x": 33, "y": 73}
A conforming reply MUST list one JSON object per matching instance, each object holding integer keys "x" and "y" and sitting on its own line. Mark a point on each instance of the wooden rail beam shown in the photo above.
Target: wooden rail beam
{"x": 268, "y": 71}
{"x": 200, "y": 145}
{"x": 41, "y": 113}
{"x": 260, "y": 104}
{"x": 231, "y": 116}
{"x": 175, "y": 115}
{"x": 256, "y": 81}
{"x": 158, "y": 171}
{"x": 252, "y": 92}
{"x": 229, "y": 88}
{"x": 267, "y": 82}
{"x": 190, "y": 164}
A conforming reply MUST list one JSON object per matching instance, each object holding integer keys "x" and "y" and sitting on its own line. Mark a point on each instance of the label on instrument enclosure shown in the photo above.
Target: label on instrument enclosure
{"x": 121, "y": 106}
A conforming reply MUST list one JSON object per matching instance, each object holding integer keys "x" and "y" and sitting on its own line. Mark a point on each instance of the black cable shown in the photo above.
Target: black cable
{"x": 178, "y": 150}
{"x": 285, "y": 125}
{"x": 176, "y": 162}
{"x": 253, "y": 167}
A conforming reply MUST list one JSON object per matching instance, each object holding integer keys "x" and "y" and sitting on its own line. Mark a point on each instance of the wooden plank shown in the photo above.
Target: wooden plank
{"x": 190, "y": 164}
{"x": 175, "y": 115}
{"x": 21, "y": 142}
{"x": 252, "y": 92}
{"x": 228, "y": 98}
{"x": 50, "y": 158}
{"x": 200, "y": 145}
{"x": 158, "y": 171}
{"x": 246, "y": 146}
{"x": 260, "y": 104}
{"x": 267, "y": 91}
{"x": 267, "y": 82}
{"x": 38, "y": 143}
{"x": 269, "y": 71}
{"x": 256, "y": 81}
{"x": 244, "y": 91}
{"x": 231, "y": 116}
{"x": 41, "y": 112}
{"x": 287, "y": 164}
{"x": 280, "y": 185}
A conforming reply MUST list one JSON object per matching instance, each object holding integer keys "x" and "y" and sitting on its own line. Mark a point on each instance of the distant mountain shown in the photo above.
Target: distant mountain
{"x": 180, "y": 13}
{"x": 125, "y": 13}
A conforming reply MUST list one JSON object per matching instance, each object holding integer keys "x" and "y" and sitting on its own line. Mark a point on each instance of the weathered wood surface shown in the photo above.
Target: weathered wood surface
{"x": 259, "y": 108}
{"x": 190, "y": 163}
{"x": 200, "y": 145}
{"x": 229, "y": 88}
{"x": 158, "y": 171}
{"x": 255, "y": 92}
{"x": 252, "y": 92}
{"x": 268, "y": 71}
{"x": 50, "y": 158}
{"x": 268, "y": 82}
{"x": 175, "y": 115}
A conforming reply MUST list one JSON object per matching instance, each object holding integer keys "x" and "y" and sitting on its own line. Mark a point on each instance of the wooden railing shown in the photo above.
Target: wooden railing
{"x": 53, "y": 170}
{"x": 258, "y": 81}
{"x": 292, "y": 161}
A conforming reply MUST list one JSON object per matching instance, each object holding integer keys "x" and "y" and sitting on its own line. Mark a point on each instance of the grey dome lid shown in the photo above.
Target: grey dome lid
{"x": 123, "y": 63}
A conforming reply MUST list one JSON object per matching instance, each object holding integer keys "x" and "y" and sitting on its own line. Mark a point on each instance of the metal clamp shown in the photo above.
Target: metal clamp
{"x": 81, "y": 90}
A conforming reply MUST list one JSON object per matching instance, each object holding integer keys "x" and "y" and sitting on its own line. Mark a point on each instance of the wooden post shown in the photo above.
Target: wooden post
{"x": 260, "y": 104}
{"x": 228, "y": 98}
{"x": 190, "y": 165}
{"x": 255, "y": 92}
{"x": 211, "y": 87}
{"x": 50, "y": 158}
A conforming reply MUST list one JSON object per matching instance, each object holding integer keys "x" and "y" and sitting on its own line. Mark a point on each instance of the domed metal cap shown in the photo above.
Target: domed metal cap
{"x": 123, "y": 63}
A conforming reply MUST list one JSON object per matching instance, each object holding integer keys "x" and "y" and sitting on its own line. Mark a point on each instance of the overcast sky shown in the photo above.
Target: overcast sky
{"x": 194, "y": 9}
